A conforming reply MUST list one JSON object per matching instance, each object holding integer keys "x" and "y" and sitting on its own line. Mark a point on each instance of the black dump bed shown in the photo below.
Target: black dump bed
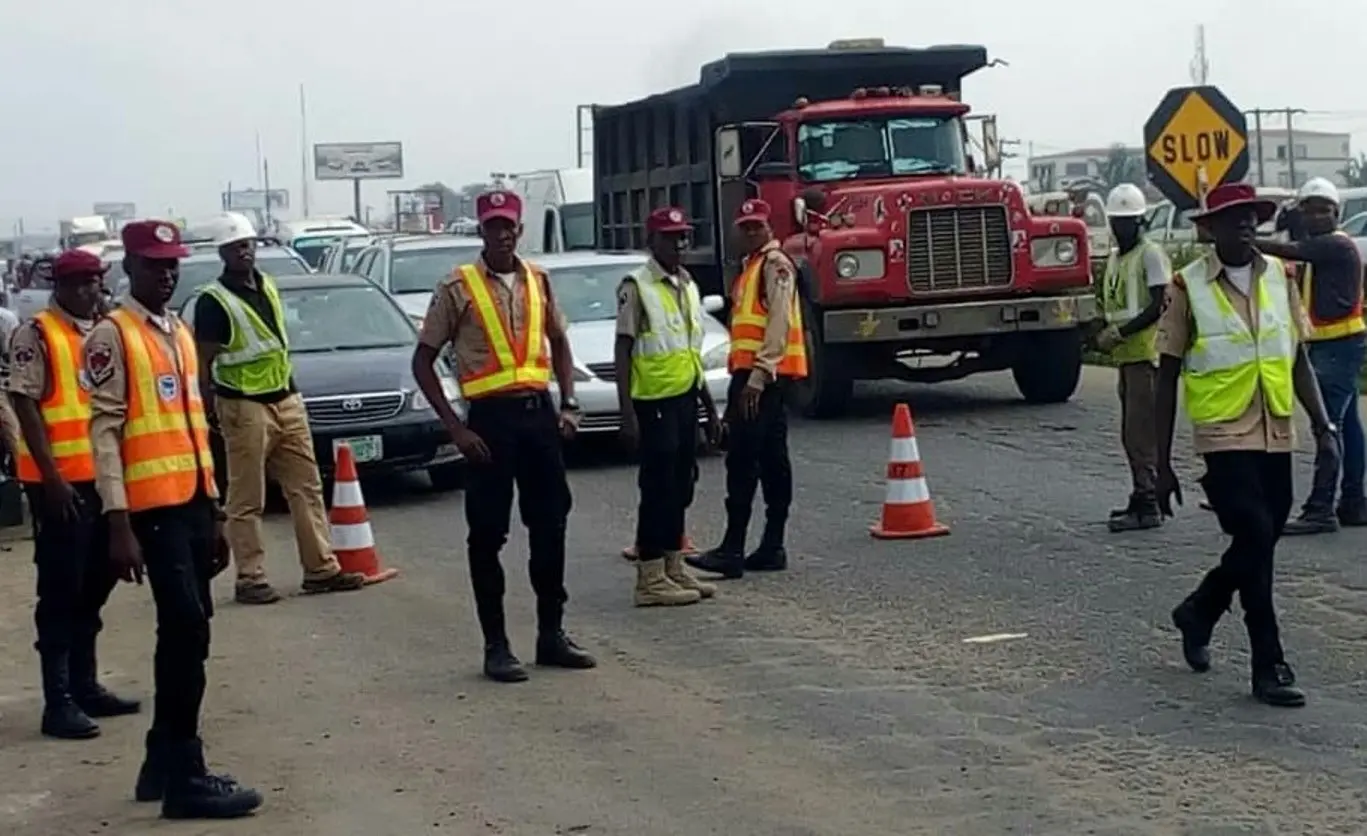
{"x": 658, "y": 151}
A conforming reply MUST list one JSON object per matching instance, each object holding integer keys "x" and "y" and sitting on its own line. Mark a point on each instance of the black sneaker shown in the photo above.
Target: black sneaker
{"x": 1277, "y": 686}
{"x": 1307, "y": 524}
{"x": 1195, "y": 636}
{"x": 767, "y": 559}
{"x": 98, "y": 701}
{"x": 557, "y": 650}
{"x": 501, "y": 665}
{"x": 209, "y": 797}
{"x": 66, "y": 721}
{"x": 729, "y": 563}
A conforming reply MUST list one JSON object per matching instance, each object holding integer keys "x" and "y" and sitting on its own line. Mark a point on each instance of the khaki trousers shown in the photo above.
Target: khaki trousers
{"x": 273, "y": 440}
{"x": 1138, "y": 427}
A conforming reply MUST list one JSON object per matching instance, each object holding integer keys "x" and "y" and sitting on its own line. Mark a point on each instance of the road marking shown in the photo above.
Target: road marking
{"x": 994, "y": 637}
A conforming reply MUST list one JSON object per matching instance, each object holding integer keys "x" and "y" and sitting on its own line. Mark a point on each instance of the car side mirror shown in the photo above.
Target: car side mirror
{"x": 712, "y": 303}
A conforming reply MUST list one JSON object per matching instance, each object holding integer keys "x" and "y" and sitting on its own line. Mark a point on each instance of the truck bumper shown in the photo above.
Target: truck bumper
{"x": 959, "y": 319}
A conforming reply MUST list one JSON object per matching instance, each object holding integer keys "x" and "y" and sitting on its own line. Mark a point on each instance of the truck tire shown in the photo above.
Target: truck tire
{"x": 828, "y": 388}
{"x": 1048, "y": 366}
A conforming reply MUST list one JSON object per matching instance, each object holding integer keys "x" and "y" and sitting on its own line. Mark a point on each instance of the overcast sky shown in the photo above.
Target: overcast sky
{"x": 159, "y": 102}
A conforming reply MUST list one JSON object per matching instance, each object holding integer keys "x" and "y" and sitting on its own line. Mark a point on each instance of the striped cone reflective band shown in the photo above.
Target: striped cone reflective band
{"x": 907, "y": 510}
{"x": 352, "y": 539}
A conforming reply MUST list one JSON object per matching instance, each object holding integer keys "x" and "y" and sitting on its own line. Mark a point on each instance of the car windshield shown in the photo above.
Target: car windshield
{"x": 353, "y": 318}
{"x": 588, "y": 293}
{"x": 419, "y": 271}
{"x": 313, "y": 249}
{"x": 1353, "y": 206}
{"x": 841, "y": 150}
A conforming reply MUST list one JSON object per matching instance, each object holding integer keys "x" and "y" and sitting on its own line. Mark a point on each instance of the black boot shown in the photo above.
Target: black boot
{"x": 771, "y": 556}
{"x": 1276, "y": 685}
{"x": 556, "y": 650}
{"x": 151, "y": 784}
{"x": 727, "y": 561}
{"x": 1129, "y": 508}
{"x": 1311, "y": 522}
{"x": 62, "y": 718}
{"x": 500, "y": 664}
{"x": 1352, "y": 513}
{"x": 93, "y": 698}
{"x": 1195, "y": 631}
{"x": 193, "y": 793}
{"x": 1142, "y": 515}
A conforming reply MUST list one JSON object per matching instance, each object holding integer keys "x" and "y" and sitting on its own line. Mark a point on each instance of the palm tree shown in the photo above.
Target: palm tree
{"x": 1355, "y": 172}
{"x": 1122, "y": 166}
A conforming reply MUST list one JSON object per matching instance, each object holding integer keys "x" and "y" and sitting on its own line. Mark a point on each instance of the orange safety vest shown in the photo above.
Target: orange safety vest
{"x": 512, "y": 366}
{"x": 1329, "y": 329}
{"x": 66, "y": 406}
{"x": 166, "y": 454}
{"x": 749, "y": 318}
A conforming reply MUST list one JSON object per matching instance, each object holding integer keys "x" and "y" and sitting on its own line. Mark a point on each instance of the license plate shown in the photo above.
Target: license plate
{"x": 366, "y": 448}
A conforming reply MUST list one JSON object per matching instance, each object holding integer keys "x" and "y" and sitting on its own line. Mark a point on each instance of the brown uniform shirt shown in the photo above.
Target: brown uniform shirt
{"x": 108, "y": 373}
{"x": 450, "y": 318}
{"x": 1257, "y": 429}
{"x": 779, "y": 283}
{"x": 28, "y": 354}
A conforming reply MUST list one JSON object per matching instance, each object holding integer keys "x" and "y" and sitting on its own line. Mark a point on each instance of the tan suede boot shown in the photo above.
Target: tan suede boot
{"x": 678, "y": 572}
{"x": 655, "y": 589}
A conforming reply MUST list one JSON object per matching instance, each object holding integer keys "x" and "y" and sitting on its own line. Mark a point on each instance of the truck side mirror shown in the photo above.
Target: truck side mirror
{"x": 712, "y": 303}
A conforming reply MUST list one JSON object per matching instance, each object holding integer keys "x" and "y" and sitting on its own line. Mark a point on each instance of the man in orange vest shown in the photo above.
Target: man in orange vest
{"x": 767, "y": 352}
{"x": 155, "y": 476}
{"x": 508, "y": 337}
{"x": 56, "y": 464}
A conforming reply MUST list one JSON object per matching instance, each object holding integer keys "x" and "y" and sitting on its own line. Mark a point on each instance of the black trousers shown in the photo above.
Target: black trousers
{"x": 1250, "y": 493}
{"x": 668, "y": 469}
{"x": 75, "y": 578}
{"x": 177, "y": 548}
{"x": 757, "y": 456}
{"x": 523, "y": 438}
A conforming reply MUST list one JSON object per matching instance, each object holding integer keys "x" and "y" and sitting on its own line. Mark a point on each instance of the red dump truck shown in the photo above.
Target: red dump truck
{"x": 913, "y": 265}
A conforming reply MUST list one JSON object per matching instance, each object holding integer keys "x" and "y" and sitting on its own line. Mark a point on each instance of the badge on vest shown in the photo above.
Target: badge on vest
{"x": 168, "y": 387}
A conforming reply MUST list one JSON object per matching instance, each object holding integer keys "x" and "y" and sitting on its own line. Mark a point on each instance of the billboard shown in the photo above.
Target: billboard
{"x": 358, "y": 161}
{"x": 118, "y": 212}
{"x": 246, "y": 200}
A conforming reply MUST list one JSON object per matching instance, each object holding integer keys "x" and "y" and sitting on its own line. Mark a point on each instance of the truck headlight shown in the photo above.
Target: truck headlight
{"x": 860, "y": 264}
{"x": 1054, "y": 251}
{"x": 449, "y": 389}
{"x": 715, "y": 357}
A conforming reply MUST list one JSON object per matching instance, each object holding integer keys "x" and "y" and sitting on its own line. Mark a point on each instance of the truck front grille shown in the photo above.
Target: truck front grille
{"x": 958, "y": 248}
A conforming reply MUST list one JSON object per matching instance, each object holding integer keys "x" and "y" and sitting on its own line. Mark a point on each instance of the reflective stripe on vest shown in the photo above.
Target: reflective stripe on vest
{"x": 165, "y": 448}
{"x": 65, "y": 408}
{"x": 666, "y": 358}
{"x": 1124, "y": 296}
{"x": 1227, "y": 361}
{"x": 1330, "y": 329}
{"x": 256, "y": 360}
{"x": 512, "y": 365}
{"x": 750, "y": 316}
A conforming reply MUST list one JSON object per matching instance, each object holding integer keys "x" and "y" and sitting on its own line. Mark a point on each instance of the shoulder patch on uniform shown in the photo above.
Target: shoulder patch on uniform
{"x": 780, "y": 262}
{"x": 25, "y": 354}
{"x": 99, "y": 360}
{"x": 623, "y": 296}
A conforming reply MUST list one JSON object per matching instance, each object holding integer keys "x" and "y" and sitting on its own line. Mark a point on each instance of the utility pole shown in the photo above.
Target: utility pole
{"x": 1200, "y": 67}
{"x": 1002, "y": 145}
{"x": 1291, "y": 142}
{"x": 1289, "y": 114}
{"x": 303, "y": 152}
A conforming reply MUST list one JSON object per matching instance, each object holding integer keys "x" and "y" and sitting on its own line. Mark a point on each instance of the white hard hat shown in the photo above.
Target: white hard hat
{"x": 1320, "y": 188}
{"x": 1126, "y": 201}
{"x": 231, "y": 228}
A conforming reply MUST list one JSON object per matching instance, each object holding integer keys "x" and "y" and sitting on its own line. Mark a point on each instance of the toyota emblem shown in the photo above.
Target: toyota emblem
{"x": 351, "y": 405}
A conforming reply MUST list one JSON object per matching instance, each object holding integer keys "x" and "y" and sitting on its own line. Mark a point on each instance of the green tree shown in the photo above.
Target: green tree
{"x": 1355, "y": 173}
{"x": 1122, "y": 165}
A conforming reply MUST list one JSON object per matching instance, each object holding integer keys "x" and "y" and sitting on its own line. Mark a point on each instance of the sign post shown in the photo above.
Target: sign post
{"x": 1196, "y": 140}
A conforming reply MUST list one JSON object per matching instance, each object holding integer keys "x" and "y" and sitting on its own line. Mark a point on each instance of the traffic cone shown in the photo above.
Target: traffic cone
{"x": 352, "y": 539}
{"x": 687, "y": 547}
{"x": 907, "y": 510}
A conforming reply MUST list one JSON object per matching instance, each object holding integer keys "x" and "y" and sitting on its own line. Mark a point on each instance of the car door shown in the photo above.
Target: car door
{"x": 365, "y": 262}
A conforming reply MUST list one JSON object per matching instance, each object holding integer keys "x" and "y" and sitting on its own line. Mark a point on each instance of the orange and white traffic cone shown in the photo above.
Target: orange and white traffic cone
{"x": 686, "y": 548}
{"x": 908, "y": 512}
{"x": 353, "y": 541}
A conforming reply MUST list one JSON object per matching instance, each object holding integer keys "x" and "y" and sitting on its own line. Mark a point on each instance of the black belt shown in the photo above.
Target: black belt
{"x": 513, "y": 400}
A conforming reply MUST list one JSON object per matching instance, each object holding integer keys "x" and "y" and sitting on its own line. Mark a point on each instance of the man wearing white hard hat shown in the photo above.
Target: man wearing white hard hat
{"x": 250, "y": 397}
{"x": 1331, "y": 288}
{"x": 1131, "y": 294}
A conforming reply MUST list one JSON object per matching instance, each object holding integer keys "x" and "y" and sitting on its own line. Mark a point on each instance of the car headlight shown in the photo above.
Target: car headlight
{"x": 860, "y": 264}
{"x": 449, "y": 389}
{"x": 715, "y": 358}
{"x": 1054, "y": 251}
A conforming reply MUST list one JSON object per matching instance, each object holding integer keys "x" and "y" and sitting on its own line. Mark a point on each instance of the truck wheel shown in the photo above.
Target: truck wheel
{"x": 1048, "y": 366}
{"x": 828, "y": 388}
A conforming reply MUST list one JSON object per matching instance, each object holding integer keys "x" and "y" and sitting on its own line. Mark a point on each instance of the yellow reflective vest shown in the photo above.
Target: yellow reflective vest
{"x": 1125, "y": 294}
{"x": 1228, "y": 361}
{"x": 666, "y": 358}
{"x": 256, "y": 360}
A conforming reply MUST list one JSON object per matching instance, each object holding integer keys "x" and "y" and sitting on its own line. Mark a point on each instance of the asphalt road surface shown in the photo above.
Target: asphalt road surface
{"x": 840, "y": 698}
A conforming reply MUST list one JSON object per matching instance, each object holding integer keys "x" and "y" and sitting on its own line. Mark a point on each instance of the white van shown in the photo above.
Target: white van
{"x": 310, "y": 237}
{"x": 557, "y": 210}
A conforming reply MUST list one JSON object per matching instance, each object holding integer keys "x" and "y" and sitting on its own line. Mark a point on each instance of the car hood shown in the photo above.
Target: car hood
{"x": 353, "y": 372}
{"x": 592, "y": 342}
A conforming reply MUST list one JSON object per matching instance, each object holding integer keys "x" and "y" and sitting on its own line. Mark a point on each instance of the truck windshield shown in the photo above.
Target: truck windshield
{"x": 577, "y": 222}
{"x": 79, "y": 239}
{"x": 881, "y": 147}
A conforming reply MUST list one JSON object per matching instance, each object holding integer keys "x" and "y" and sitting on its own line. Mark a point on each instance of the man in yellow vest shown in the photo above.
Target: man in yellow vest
{"x": 1131, "y": 290}
{"x": 244, "y": 359}
{"x": 768, "y": 351}
{"x": 1231, "y": 331}
{"x": 56, "y": 464}
{"x": 659, "y": 370}
{"x": 1331, "y": 287}
{"x": 508, "y": 338}
{"x": 155, "y": 476}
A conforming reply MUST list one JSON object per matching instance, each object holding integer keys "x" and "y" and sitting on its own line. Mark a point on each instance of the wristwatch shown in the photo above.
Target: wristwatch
{"x": 569, "y": 404}
{"x": 1328, "y": 429}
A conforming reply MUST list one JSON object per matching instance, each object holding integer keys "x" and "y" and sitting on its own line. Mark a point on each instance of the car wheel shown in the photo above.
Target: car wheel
{"x": 446, "y": 477}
